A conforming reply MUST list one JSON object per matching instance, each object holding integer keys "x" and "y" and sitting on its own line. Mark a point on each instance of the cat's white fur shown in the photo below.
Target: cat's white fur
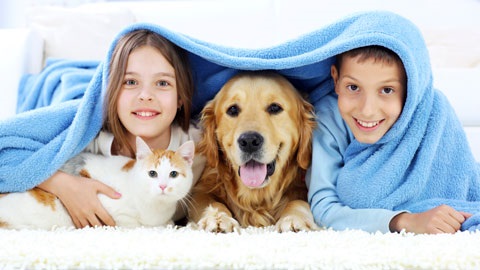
{"x": 143, "y": 202}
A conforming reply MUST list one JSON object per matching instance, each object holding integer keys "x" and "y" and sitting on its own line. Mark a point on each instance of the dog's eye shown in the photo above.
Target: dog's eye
{"x": 173, "y": 174}
{"x": 152, "y": 174}
{"x": 233, "y": 110}
{"x": 274, "y": 108}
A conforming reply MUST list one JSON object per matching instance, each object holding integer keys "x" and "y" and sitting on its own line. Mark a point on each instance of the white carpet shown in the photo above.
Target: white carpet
{"x": 252, "y": 248}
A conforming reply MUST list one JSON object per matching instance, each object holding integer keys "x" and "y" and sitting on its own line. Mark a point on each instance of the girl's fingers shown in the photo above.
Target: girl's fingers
{"x": 107, "y": 190}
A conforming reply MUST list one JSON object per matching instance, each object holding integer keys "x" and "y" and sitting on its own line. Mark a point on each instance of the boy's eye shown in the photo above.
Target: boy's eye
{"x": 352, "y": 87}
{"x": 387, "y": 90}
{"x": 173, "y": 174}
{"x": 152, "y": 174}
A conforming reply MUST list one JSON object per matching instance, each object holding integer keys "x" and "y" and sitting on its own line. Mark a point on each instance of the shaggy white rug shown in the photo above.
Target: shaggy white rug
{"x": 251, "y": 248}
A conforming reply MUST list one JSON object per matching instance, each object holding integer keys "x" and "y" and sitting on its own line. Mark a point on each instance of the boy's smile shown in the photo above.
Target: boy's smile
{"x": 371, "y": 95}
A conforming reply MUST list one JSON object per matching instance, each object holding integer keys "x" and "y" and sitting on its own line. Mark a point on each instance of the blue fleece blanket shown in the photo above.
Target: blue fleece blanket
{"x": 61, "y": 80}
{"x": 407, "y": 169}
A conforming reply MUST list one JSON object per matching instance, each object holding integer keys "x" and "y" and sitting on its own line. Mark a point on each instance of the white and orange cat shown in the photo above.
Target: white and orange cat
{"x": 151, "y": 186}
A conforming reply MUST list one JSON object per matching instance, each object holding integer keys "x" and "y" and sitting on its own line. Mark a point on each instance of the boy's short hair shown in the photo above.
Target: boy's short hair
{"x": 378, "y": 53}
{"x": 375, "y": 52}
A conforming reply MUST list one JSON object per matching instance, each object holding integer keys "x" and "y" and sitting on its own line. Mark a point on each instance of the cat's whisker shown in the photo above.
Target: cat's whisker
{"x": 186, "y": 202}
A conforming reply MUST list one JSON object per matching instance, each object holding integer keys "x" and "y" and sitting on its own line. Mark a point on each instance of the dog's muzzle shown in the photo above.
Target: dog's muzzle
{"x": 254, "y": 174}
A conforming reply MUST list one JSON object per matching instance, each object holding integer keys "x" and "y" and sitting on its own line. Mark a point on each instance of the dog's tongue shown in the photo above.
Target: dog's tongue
{"x": 253, "y": 173}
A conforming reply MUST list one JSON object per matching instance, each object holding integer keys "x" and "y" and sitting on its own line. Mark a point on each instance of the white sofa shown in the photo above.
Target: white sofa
{"x": 450, "y": 29}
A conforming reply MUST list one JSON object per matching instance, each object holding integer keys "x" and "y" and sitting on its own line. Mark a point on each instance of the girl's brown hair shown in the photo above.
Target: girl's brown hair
{"x": 176, "y": 56}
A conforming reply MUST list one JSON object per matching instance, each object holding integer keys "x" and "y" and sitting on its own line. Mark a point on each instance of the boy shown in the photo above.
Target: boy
{"x": 370, "y": 93}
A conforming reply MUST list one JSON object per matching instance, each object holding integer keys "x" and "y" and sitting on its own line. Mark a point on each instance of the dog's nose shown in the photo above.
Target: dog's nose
{"x": 250, "y": 141}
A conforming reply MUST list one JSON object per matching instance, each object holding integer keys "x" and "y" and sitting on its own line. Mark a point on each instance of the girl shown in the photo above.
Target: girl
{"x": 149, "y": 95}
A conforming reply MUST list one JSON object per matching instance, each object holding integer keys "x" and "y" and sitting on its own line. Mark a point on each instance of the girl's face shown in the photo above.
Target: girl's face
{"x": 371, "y": 95}
{"x": 148, "y": 100}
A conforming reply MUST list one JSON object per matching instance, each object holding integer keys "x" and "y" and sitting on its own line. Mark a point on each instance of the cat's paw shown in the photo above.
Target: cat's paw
{"x": 293, "y": 223}
{"x": 217, "y": 221}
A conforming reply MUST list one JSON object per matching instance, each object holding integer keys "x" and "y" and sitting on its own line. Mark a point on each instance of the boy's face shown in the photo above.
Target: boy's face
{"x": 371, "y": 95}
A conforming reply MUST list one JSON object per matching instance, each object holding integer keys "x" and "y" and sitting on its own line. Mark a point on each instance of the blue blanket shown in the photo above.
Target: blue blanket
{"x": 406, "y": 169}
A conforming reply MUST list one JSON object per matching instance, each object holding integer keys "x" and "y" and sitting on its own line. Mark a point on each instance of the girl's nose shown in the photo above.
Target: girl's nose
{"x": 146, "y": 94}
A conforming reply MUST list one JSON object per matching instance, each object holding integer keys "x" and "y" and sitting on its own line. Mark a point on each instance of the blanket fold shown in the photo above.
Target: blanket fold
{"x": 61, "y": 112}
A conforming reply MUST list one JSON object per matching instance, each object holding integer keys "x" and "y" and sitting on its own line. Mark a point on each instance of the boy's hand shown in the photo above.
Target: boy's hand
{"x": 441, "y": 219}
{"x": 79, "y": 196}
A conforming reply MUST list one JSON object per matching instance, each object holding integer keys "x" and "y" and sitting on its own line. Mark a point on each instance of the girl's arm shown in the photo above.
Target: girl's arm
{"x": 79, "y": 195}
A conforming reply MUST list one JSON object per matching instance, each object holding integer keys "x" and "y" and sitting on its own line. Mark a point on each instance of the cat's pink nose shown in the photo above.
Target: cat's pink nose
{"x": 163, "y": 187}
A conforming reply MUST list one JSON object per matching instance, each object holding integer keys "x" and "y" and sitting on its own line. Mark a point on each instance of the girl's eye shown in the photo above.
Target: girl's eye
{"x": 173, "y": 174}
{"x": 163, "y": 83}
{"x": 152, "y": 174}
{"x": 130, "y": 82}
{"x": 352, "y": 87}
{"x": 388, "y": 90}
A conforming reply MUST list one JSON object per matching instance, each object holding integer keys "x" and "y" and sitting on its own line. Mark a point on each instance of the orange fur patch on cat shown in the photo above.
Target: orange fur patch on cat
{"x": 43, "y": 197}
{"x": 129, "y": 165}
{"x": 3, "y": 224}
{"x": 176, "y": 160}
{"x": 84, "y": 173}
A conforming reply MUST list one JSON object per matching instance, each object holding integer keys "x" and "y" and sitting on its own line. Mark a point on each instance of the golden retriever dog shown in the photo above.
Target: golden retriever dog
{"x": 257, "y": 141}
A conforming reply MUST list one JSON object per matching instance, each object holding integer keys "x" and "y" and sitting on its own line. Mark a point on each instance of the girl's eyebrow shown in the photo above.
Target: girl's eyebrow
{"x": 167, "y": 74}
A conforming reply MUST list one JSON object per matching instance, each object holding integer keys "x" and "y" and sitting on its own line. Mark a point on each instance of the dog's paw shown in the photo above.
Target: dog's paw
{"x": 294, "y": 224}
{"x": 217, "y": 221}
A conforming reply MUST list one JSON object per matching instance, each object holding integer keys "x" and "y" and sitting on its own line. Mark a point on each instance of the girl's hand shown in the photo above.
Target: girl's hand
{"x": 441, "y": 219}
{"x": 79, "y": 196}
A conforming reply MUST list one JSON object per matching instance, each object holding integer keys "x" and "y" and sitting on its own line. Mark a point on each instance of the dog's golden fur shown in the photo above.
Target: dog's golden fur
{"x": 266, "y": 104}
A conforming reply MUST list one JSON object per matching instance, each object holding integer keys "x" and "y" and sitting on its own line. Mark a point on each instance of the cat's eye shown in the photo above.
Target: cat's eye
{"x": 152, "y": 174}
{"x": 173, "y": 174}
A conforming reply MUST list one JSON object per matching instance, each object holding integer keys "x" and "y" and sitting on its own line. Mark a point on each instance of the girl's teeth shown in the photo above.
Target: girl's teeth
{"x": 367, "y": 124}
{"x": 145, "y": 114}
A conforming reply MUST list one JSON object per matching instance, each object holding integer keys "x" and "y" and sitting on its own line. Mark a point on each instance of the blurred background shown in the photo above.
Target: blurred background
{"x": 12, "y": 12}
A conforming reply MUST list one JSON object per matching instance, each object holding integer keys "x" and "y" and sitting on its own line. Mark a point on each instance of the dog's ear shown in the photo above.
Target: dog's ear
{"x": 208, "y": 145}
{"x": 307, "y": 125}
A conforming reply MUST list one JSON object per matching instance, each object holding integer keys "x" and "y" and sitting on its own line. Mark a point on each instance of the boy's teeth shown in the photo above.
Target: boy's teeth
{"x": 367, "y": 124}
{"x": 145, "y": 114}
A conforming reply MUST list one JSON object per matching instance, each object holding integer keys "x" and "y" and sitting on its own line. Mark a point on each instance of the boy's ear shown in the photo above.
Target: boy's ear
{"x": 334, "y": 73}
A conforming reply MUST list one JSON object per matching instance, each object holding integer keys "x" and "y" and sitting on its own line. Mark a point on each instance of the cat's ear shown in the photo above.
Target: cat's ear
{"x": 187, "y": 151}
{"x": 143, "y": 149}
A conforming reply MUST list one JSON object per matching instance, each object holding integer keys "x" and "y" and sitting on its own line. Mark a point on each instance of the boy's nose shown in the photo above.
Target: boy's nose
{"x": 368, "y": 106}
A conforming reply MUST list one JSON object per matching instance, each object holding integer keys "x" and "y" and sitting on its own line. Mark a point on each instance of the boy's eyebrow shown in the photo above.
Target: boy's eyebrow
{"x": 349, "y": 77}
{"x": 384, "y": 81}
